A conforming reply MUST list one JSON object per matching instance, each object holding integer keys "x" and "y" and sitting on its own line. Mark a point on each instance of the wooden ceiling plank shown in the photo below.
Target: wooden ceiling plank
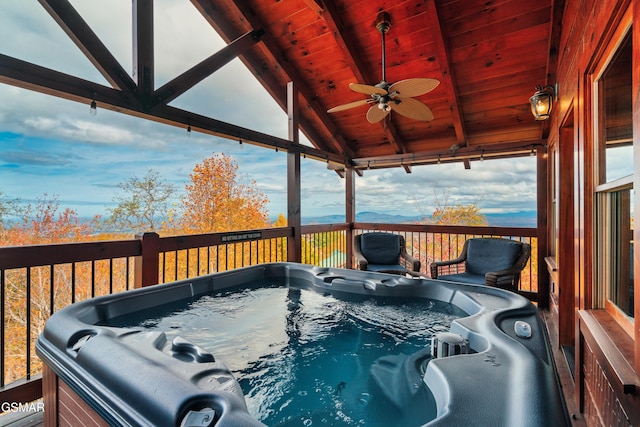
{"x": 449, "y": 80}
{"x": 143, "y": 53}
{"x": 88, "y": 42}
{"x": 333, "y": 18}
{"x": 213, "y": 12}
{"x": 179, "y": 85}
{"x": 242, "y": 7}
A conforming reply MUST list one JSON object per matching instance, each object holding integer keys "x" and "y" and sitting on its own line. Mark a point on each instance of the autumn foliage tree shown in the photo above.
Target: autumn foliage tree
{"x": 42, "y": 222}
{"x": 441, "y": 245}
{"x": 218, "y": 200}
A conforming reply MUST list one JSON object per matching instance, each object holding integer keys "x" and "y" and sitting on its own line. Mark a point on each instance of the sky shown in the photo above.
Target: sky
{"x": 53, "y": 146}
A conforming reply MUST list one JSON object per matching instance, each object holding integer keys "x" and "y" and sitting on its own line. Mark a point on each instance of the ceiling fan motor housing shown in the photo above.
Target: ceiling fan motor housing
{"x": 383, "y": 22}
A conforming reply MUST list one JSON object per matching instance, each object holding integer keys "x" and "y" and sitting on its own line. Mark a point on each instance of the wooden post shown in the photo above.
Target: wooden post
{"x": 350, "y": 211}
{"x": 636, "y": 176}
{"x": 542, "y": 233}
{"x": 143, "y": 56}
{"x": 147, "y": 265}
{"x": 294, "y": 220}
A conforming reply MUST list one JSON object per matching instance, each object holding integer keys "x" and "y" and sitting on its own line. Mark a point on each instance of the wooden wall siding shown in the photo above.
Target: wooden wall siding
{"x": 601, "y": 406}
{"x": 586, "y": 24}
{"x": 609, "y": 391}
{"x": 588, "y": 27}
{"x": 636, "y": 161}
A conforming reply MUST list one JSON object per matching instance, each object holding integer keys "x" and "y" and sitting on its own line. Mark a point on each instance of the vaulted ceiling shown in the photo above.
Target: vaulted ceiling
{"x": 488, "y": 56}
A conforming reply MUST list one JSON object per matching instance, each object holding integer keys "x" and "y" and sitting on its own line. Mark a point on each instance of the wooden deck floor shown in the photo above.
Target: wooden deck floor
{"x": 22, "y": 419}
{"x": 564, "y": 374}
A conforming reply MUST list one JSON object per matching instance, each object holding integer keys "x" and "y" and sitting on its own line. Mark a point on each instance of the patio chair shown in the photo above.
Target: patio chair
{"x": 383, "y": 252}
{"x": 486, "y": 261}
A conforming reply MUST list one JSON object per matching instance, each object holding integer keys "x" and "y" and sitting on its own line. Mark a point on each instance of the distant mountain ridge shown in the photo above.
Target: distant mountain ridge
{"x": 511, "y": 219}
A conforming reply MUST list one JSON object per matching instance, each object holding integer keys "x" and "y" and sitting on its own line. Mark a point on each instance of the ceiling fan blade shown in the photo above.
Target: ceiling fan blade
{"x": 413, "y": 87}
{"x": 367, "y": 89}
{"x": 349, "y": 105}
{"x": 411, "y": 108}
{"x": 375, "y": 114}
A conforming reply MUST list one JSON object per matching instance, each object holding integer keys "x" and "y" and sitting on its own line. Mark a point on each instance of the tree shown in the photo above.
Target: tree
{"x": 281, "y": 221}
{"x": 8, "y": 208}
{"x": 445, "y": 214}
{"x": 439, "y": 245}
{"x": 41, "y": 222}
{"x": 144, "y": 203}
{"x": 217, "y": 200}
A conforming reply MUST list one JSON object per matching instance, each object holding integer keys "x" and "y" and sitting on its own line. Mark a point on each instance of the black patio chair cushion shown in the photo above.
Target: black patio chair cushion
{"x": 381, "y": 248}
{"x": 485, "y": 255}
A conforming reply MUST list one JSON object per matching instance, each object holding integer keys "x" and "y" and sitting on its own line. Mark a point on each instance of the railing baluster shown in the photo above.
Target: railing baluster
{"x": 3, "y": 353}
{"x": 28, "y": 323}
{"x": 93, "y": 278}
{"x": 110, "y": 275}
{"x": 52, "y": 298}
{"x": 73, "y": 282}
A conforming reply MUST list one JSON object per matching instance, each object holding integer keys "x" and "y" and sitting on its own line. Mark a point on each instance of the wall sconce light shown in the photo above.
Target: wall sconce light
{"x": 542, "y": 102}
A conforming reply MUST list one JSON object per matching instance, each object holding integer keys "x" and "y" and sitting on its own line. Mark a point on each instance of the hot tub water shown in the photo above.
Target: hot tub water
{"x": 304, "y": 358}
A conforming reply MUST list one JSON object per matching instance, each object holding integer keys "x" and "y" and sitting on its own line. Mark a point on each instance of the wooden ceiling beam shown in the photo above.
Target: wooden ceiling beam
{"x": 179, "y": 85}
{"x": 26, "y": 75}
{"x": 555, "y": 30}
{"x": 228, "y": 29}
{"x": 494, "y": 151}
{"x": 143, "y": 53}
{"x": 442, "y": 50}
{"x": 29, "y": 76}
{"x": 333, "y": 19}
{"x": 81, "y": 34}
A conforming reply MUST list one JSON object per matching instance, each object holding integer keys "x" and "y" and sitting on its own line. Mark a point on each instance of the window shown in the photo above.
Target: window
{"x": 614, "y": 182}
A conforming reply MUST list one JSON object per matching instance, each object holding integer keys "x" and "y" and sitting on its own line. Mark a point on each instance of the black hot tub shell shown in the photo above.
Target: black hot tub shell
{"x": 132, "y": 377}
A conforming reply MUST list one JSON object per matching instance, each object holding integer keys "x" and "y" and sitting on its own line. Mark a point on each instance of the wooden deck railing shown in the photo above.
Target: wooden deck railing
{"x": 38, "y": 280}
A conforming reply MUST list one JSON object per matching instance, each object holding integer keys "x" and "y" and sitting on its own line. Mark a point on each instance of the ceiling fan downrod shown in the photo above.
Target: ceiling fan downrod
{"x": 383, "y": 23}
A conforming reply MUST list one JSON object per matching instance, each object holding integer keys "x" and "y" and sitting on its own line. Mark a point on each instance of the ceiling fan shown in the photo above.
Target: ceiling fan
{"x": 386, "y": 97}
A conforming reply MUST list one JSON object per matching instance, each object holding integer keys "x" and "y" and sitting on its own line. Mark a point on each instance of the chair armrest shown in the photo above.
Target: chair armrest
{"x": 509, "y": 278}
{"x": 411, "y": 261}
{"x": 362, "y": 263}
{"x": 435, "y": 266}
{"x": 414, "y": 263}
{"x": 360, "y": 259}
{"x": 505, "y": 279}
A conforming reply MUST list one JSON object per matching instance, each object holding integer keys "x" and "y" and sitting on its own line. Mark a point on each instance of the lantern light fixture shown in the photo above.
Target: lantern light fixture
{"x": 542, "y": 101}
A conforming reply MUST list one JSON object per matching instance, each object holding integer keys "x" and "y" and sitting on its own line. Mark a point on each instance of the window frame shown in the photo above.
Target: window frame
{"x": 602, "y": 189}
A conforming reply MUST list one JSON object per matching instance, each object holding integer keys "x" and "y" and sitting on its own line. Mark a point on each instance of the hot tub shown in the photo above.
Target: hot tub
{"x": 126, "y": 376}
